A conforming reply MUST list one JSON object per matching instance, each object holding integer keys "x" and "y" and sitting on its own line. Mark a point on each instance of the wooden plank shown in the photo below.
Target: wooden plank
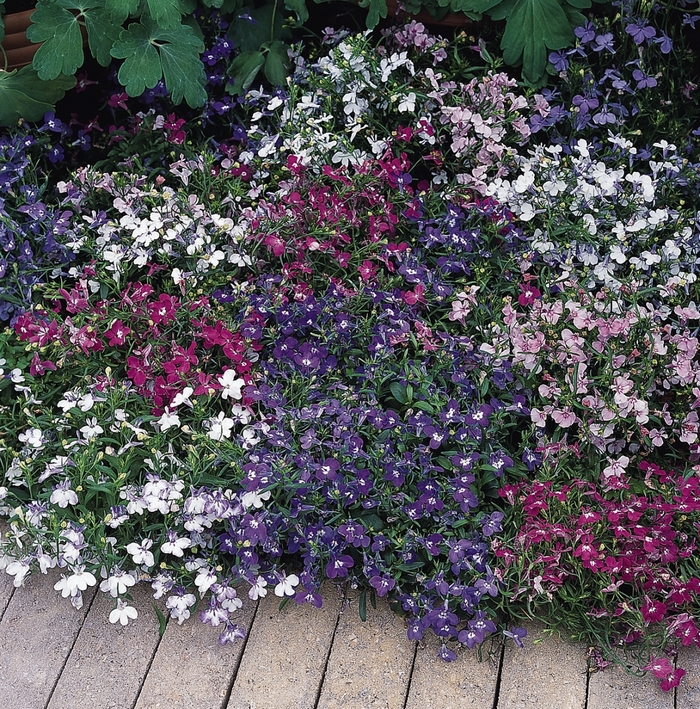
{"x": 6, "y": 590}
{"x": 370, "y": 663}
{"x": 6, "y": 581}
{"x": 688, "y": 692}
{"x": 37, "y": 633}
{"x": 548, "y": 672}
{"x": 284, "y": 659}
{"x": 461, "y": 684}
{"x": 190, "y": 669}
{"x": 108, "y": 663}
{"x": 614, "y": 687}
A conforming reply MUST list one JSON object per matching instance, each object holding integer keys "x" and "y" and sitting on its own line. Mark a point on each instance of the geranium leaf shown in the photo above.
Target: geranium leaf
{"x": 533, "y": 27}
{"x": 142, "y": 68}
{"x": 250, "y": 35}
{"x": 102, "y": 33}
{"x": 62, "y": 48}
{"x": 182, "y": 69}
{"x": 244, "y": 68}
{"x": 121, "y": 9}
{"x": 151, "y": 52}
{"x": 478, "y": 6}
{"x": 299, "y": 8}
{"x": 165, "y": 13}
{"x": 24, "y": 95}
{"x": 377, "y": 11}
{"x": 277, "y": 64}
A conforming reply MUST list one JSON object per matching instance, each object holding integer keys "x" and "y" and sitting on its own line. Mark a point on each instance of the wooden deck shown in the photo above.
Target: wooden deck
{"x": 54, "y": 657}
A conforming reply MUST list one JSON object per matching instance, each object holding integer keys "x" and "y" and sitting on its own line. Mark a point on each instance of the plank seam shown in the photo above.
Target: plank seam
{"x": 150, "y": 663}
{"x": 234, "y": 675}
{"x": 410, "y": 675}
{"x": 497, "y": 690}
{"x": 328, "y": 657}
{"x": 12, "y": 593}
{"x": 70, "y": 651}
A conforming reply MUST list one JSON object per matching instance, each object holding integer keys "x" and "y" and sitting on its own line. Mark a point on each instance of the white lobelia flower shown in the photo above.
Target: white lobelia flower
{"x": 206, "y": 578}
{"x": 232, "y": 385}
{"x": 183, "y": 397}
{"x": 286, "y": 584}
{"x": 407, "y": 103}
{"x": 77, "y": 582}
{"x": 220, "y": 427}
{"x": 91, "y": 429}
{"x": 258, "y": 590}
{"x": 175, "y": 546}
{"x": 140, "y": 552}
{"x": 20, "y": 570}
{"x": 168, "y": 420}
{"x": 123, "y": 613}
{"x": 254, "y": 498}
{"x": 118, "y": 583}
{"x": 32, "y": 437}
{"x": 63, "y": 496}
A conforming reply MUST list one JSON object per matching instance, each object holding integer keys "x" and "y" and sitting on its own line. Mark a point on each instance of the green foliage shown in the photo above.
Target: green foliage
{"x": 152, "y": 52}
{"x": 62, "y": 48}
{"x": 533, "y": 27}
{"x": 24, "y": 95}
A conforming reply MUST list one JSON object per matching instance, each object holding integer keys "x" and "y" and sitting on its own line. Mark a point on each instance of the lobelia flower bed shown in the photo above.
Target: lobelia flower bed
{"x": 404, "y": 326}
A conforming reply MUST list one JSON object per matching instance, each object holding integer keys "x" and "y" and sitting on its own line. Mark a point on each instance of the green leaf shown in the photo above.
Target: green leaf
{"x": 182, "y": 68}
{"x": 298, "y": 7}
{"x": 250, "y": 35}
{"x": 62, "y": 48}
{"x": 102, "y": 33}
{"x": 162, "y": 620}
{"x": 533, "y": 27}
{"x": 479, "y": 6}
{"x": 244, "y": 68}
{"x": 425, "y": 406}
{"x": 398, "y": 391}
{"x": 502, "y": 10}
{"x": 579, "y": 4}
{"x": 377, "y": 11}
{"x": 277, "y": 64}
{"x": 363, "y": 605}
{"x": 142, "y": 68}
{"x": 24, "y": 95}
{"x": 165, "y": 13}
{"x": 151, "y": 52}
{"x": 121, "y": 9}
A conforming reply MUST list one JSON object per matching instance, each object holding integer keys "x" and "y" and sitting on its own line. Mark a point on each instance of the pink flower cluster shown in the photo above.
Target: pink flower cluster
{"x": 626, "y": 556}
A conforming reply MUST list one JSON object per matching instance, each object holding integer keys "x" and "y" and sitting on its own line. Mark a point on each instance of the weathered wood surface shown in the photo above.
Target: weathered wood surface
{"x": 52, "y": 656}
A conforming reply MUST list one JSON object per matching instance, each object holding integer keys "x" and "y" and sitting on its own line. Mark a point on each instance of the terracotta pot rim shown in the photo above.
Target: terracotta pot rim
{"x": 16, "y": 22}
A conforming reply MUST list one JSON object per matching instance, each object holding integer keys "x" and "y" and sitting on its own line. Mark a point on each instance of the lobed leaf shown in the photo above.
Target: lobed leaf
{"x": 62, "y": 48}
{"x": 151, "y": 53}
{"x": 277, "y": 64}
{"x": 298, "y": 7}
{"x": 24, "y": 95}
{"x": 165, "y": 13}
{"x": 533, "y": 27}
{"x": 377, "y": 11}
{"x": 244, "y": 68}
{"x": 102, "y": 33}
{"x": 121, "y": 9}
